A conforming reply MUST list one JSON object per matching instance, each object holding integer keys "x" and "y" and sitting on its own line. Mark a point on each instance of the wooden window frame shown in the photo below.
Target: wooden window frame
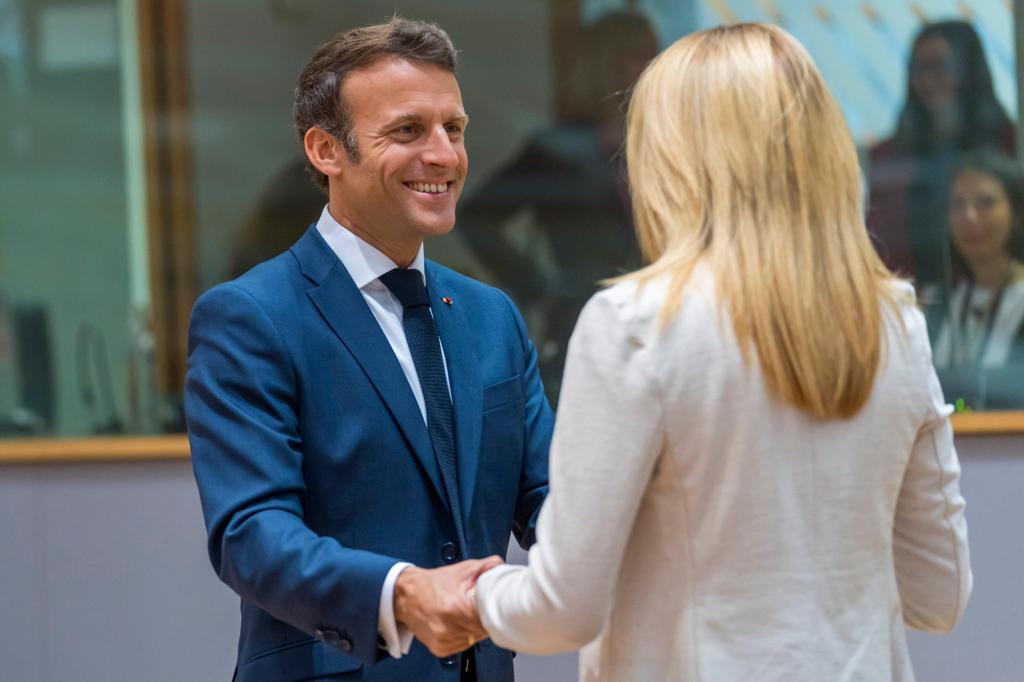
{"x": 163, "y": 58}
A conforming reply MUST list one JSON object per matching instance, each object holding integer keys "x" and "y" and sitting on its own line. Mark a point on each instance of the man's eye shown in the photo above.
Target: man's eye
{"x": 406, "y": 130}
{"x": 454, "y": 129}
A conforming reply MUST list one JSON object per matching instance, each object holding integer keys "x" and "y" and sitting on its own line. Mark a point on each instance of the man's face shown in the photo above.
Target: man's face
{"x": 409, "y": 123}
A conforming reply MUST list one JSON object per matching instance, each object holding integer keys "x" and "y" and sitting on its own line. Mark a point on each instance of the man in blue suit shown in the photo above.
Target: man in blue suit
{"x": 360, "y": 417}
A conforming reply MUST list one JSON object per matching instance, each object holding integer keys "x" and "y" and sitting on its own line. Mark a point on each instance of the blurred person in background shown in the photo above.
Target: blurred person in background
{"x": 983, "y": 329}
{"x": 571, "y": 179}
{"x": 752, "y": 473}
{"x": 950, "y": 108}
{"x": 285, "y": 208}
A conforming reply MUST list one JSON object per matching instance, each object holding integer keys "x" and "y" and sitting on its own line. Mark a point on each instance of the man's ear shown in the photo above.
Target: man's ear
{"x": 324, "y": 152}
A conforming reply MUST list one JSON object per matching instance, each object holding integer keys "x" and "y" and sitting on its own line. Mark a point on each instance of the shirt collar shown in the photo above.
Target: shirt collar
{"x": 364, "y": 262}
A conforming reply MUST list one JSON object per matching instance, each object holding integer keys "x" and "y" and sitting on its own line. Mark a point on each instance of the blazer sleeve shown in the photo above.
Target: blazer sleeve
{"x": 932, "y": 560}
{"x": 241, "y": 403}
{"x": 606, "y": 442}
{"x": 537, "y": 427}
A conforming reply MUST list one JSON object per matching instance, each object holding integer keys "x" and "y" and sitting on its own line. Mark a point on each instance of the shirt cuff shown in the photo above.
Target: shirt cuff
{"x": 395, "y": 639}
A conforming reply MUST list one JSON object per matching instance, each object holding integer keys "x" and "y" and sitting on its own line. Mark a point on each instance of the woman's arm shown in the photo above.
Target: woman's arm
{"x": 607, "y": 439}
{"x": 933, "y": 567}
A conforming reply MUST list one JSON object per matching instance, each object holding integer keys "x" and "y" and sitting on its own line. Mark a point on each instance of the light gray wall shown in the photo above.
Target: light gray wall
{"x": 104, "y": 577}
{"x": 989, "y": 643}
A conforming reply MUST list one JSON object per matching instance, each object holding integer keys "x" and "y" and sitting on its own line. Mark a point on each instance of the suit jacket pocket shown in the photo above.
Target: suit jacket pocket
{"x": 298, "y": 661}
{"x": 502, "y": 393}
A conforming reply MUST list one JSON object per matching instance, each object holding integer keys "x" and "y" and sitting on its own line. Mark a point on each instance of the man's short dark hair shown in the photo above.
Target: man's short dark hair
{"x": 318, "y": 100}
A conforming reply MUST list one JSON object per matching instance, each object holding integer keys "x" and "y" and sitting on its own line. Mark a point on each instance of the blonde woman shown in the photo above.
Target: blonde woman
{"x": 753, "y": 474}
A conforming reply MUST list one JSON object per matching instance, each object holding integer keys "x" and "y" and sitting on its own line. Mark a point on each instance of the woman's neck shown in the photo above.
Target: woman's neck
{"x": 991, "y": 273}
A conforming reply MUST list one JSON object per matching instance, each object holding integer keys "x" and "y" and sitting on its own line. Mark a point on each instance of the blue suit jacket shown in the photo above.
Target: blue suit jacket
{"x": 316, "y": 471}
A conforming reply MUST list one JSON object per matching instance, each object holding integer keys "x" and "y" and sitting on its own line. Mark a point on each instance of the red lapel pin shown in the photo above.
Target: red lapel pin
{"x": 447, "y": 300}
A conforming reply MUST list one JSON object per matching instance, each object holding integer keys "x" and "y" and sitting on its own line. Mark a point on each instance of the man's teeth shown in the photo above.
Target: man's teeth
{"x": 426, "y": 187}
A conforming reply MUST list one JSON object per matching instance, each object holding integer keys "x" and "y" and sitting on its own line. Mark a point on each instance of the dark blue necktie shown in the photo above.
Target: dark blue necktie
{"x": 425, "y": 346}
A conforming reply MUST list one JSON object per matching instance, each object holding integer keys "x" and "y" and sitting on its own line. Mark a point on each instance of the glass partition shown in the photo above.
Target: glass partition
{"x": 66, "y": 288}
{"x": 147, "y": 153}
{"x": 930, "y": 94}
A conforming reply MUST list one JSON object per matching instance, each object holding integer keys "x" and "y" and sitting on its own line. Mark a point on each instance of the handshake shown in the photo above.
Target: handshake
{"x": 437, "y": 605}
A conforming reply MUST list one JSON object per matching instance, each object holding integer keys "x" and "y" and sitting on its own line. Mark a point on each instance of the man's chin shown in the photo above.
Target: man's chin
{"x": 435, "y": 226}
{"x": 438, "y": 231}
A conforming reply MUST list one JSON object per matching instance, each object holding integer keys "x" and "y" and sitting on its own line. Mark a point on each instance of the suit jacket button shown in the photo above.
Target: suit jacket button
{"x": 449, "y": 552}
{"x": 345, "y": 644}
{"x": 329, "y": 636}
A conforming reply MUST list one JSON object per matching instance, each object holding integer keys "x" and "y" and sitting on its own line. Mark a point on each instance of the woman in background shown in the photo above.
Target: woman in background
{"x": 752, "y": 472}
{"x": 985, "y": 321}
{"x": 950, "y": 108}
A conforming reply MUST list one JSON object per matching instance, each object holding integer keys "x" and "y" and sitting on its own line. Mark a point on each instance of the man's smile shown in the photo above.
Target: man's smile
{"x": 428, "y": 188}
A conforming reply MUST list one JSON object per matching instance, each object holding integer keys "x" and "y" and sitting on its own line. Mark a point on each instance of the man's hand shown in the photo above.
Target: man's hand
{"x": 435, "y": 605}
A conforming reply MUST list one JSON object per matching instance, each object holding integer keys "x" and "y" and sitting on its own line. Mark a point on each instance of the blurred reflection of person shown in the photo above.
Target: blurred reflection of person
{"x": 571, "y": 179}
{"x": 983, "y": 327}
{"x": 287, "y": 206}
{"x": 8, "y": 377}
{"x": 950, "y": 108}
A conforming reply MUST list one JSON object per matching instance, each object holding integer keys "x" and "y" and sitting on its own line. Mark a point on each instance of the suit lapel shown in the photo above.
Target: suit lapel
{"x": 464, "y": 377}
{"x": 343, "y": 308}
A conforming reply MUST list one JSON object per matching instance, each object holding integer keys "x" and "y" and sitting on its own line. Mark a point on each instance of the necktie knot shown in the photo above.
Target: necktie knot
{"x": 407, "y": 286}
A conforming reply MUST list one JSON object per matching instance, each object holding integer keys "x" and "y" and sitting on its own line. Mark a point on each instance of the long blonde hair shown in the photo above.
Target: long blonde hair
{"x": 739, "y": 157}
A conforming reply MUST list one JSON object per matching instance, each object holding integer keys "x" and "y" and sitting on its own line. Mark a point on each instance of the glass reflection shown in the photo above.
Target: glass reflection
{"x": 979, "y": 351}
{"x": 546, "y": 216}
{"x": 570, "y": 177}
{"x": 950, "y": 108}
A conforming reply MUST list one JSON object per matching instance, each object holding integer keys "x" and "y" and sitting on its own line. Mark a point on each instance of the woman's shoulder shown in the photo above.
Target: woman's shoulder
{"x": 641, "y": 302}
{"x": 902, "y": 302}
{"x": 906, "y": 325}
{"x": 633, "y": 317}
{"x": 902, "y": 292}
{"x": 621, "y": 307}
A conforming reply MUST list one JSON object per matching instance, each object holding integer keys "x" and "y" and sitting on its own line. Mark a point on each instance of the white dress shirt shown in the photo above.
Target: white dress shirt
{"x": 959, "y": 341}
{"x": 366, "y": 264}
{"x": 697, "y": 528}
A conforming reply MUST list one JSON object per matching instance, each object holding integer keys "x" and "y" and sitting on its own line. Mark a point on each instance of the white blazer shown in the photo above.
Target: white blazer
{"x": 700, "y": 529}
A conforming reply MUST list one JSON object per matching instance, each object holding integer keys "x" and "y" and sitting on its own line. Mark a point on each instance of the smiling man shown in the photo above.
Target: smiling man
{"x": 360, "y": 417}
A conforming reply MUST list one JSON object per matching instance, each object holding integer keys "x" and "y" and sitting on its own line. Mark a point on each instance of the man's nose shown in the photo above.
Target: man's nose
{"x": 440, "y": 150}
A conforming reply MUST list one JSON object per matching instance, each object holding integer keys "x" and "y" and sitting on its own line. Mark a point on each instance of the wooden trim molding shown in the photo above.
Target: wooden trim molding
{"x": 170, "y": 191}
{"x": 988, "y": 423}
{"x": 93, "y": 449}
{"x": 175, "y": 447}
